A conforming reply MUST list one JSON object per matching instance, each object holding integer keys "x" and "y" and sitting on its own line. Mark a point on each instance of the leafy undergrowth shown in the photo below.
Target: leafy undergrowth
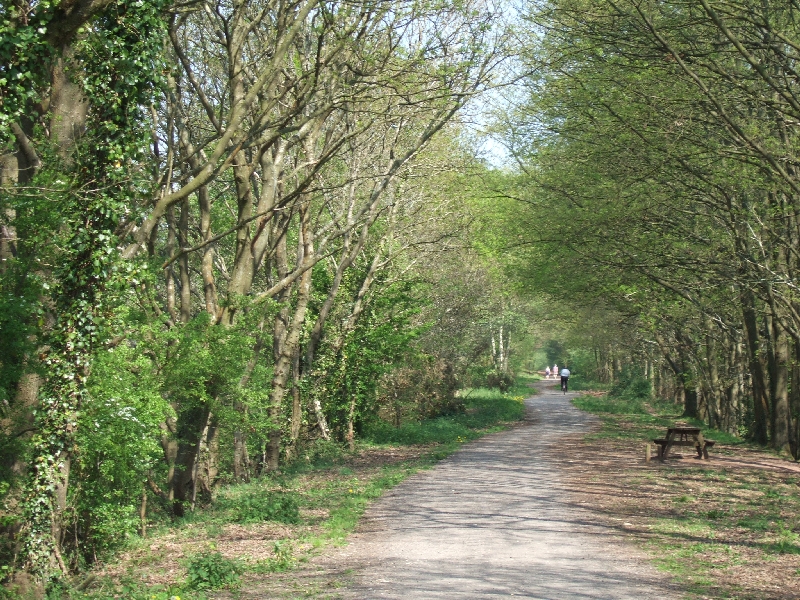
{"x": 727, "y": 528}
{"x": 577, "y": 383}
{"x": 272, "y": 525}
{"x": 485, "y": 412}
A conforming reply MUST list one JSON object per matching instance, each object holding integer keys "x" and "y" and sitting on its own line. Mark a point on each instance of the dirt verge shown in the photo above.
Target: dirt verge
{"x": 728, "y": 526}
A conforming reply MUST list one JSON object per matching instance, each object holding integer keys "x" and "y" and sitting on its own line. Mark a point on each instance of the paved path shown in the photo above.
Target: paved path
{"x": 493, "y": 521}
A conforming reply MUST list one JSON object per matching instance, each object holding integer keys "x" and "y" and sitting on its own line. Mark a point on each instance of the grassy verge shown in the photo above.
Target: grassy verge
{"x": 578, "y": 383}
{"x": 727, "y": 528}
{"x": 259, "y": 530}
{"x": 636, "y": 418}
{"x": 485, "y": 411}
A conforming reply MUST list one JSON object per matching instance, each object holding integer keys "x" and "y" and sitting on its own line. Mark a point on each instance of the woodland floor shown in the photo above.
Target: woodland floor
{"x": 724, "y": 528}
{"x": 160, "y": 562}
{"x": 728, "y": 527}
{"x": 496, "y": 519}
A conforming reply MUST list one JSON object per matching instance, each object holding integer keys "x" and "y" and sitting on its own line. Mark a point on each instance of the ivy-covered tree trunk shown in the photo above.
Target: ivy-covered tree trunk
{"x": 87, "y": 90}
{"x": 189, "y": 435}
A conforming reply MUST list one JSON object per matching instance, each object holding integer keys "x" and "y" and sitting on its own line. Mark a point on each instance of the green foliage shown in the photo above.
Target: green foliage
{"x": 25, "y": 55}
{"x": 499, "y": 380}
{"x": 643, "y": 419}
{"x": 20, "y": 316}
{"x": 116, "y": 61}
{"x": 212, "y": 571}
{"x": 631, "y": 385}
{"x": 555, "y": 352}
{"x": 117, "y": 446}
{"x": 579, "y": 382}
{"x": 350, "y": 369}
{"x": 282, "y": 560}
{"x": 483, "y": 409}
{"x": 257, "y": 506}
{"x": 610, "y": 405}
{"x": 421, "y": 387}
{"x": 201, "y": 363}
{"x": 56, "y": 589}
{"x": 323, "y": 452}
{"x": 8, "y": 524}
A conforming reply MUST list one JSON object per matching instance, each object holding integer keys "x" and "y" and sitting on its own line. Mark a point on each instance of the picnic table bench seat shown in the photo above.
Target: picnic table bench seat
{"x": 702, "y": 450}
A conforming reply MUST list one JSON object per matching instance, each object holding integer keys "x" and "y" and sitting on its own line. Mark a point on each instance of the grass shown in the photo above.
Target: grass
{"x": 313, "y": 504}
{"x": 640, "y": 419}
{"x": 486, "y": 410}
{"x": 724, "y": 532}
{"x": 578, "y": 383}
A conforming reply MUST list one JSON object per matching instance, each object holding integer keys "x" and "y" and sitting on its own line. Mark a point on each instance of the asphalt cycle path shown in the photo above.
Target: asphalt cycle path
{"x": 494, "y": 520}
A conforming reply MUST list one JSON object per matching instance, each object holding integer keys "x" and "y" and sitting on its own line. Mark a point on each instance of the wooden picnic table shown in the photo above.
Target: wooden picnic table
{"x": 683, "y": 436}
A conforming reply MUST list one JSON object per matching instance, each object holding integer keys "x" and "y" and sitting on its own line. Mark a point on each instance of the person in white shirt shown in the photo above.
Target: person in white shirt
{"x": 547, "y": 372}
{"x": 564, "y": 378}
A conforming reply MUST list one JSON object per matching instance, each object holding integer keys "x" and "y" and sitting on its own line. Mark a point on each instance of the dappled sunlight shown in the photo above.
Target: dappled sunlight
{"x": 497, "y": 519}
{"x": 721, "y": 524}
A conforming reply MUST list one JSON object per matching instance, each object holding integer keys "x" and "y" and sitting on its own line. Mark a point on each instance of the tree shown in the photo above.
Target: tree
{"x": 657, "y": 132}
{"x": 78, "y": 75}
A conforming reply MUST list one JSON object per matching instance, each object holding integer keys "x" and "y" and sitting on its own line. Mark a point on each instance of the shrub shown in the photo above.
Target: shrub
{"x": 324, "y": 452}
{"x": 499, "y": 380}
{"x": 424, "y": 389}
{"x": 213, "y": 571}
{"x": 258, "y": 506}
{"x": 282, "y": 559}
{"x": 631, "y": 385}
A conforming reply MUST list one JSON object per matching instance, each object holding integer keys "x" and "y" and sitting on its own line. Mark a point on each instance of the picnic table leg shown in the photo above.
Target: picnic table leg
{"x": 702, "y": 451}
{"x": 665, "y": 449}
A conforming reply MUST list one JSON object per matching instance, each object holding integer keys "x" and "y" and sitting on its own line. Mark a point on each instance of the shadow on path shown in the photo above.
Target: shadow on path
{"x": 494, "y": 520}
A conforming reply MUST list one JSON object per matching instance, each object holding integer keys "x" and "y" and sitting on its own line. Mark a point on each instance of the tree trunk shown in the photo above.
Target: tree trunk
{"x": 297, "y": 412}
{"x": 183, "y": 446}
{"x": 186, "y": 284}
{"x": 794, "y": 404}
{"x": 208, "y": 460}
{"x": 760, "y": 407}
{"x": 713, "y": 408}
{"x": 288, "y": 347}
{"x": 779, "y": 384}
{"x": 351, "y": 434}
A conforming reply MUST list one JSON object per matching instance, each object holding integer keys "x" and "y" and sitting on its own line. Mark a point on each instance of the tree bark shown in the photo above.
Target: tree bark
{"x": 760, "y": 406}
{"x": 288, "y": 346}
{"x": 779, "y": 384}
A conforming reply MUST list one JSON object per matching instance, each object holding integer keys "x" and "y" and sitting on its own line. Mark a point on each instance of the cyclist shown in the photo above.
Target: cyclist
{"x": 564, "y": 378}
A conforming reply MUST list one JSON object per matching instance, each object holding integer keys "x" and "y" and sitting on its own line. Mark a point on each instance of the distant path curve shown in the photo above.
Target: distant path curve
{"x": 493, "y": 521}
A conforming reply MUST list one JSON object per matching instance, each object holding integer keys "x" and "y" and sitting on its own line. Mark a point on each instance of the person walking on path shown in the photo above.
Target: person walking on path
{"x": 547, "y": 372}
{"x": 555, "y": 371}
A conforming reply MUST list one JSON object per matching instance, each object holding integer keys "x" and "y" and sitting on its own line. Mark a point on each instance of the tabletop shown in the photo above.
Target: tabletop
{"x": 688, "y": 430}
